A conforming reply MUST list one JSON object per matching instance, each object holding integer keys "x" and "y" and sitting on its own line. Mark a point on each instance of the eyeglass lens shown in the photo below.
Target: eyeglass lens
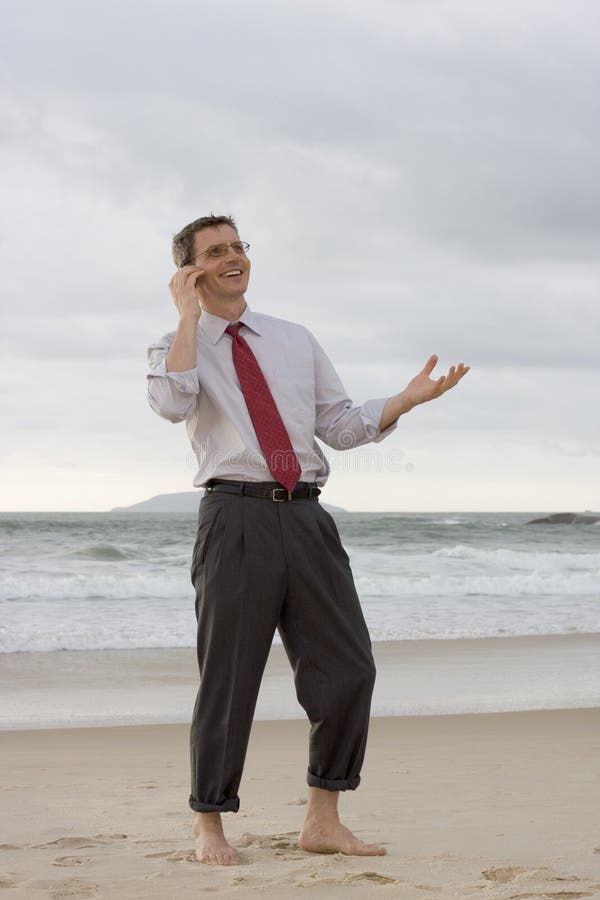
{"x": 221, "y": 249}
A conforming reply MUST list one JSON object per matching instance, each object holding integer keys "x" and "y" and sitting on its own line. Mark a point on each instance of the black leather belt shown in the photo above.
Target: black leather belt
{"x": 264, "y": 490}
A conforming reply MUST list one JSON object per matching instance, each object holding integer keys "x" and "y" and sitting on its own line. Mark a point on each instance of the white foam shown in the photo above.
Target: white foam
{"x": 100, "y": 588}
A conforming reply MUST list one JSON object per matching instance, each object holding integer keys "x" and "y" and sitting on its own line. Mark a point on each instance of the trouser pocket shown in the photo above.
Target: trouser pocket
{"x": 208, "y": 516}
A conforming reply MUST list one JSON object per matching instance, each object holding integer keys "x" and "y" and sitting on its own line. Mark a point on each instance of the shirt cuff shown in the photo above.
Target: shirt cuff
{"x": 186, "y": 382}
{"x": 372, "y": 412}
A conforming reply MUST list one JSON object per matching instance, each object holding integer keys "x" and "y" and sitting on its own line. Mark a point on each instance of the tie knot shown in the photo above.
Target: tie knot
{"x": 233, "y": 329}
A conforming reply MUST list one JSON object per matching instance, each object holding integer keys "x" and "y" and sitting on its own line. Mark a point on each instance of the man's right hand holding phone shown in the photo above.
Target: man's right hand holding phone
{"x": 186, "y": 292}
{"x": 187, "y": 296}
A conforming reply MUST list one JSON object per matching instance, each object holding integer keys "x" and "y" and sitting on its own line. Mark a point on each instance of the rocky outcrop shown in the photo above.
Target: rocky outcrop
{"x": 566, "y": 519}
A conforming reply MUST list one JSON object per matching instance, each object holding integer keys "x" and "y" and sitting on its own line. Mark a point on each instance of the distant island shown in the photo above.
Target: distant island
{"x": 586, "y": 518}
{"x": 186, "y": 502}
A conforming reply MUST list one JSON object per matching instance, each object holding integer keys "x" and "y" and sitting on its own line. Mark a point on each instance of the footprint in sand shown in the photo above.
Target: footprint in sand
{"x": 503, "y": 874}
{"x": 312, "y": 879}
{"x": 548, "y": 895}
{"x": 77, "y": 842}
{"x": 371, "y": 877}
{"x": 71, "y": 860}
{"x": 300, "y": 801}
{"x": 159, "y": 841}
{"x": 74, "y": 843}
{"x": 173, "y": 855}
{"x": 286, "y": 841}
{"x": 539, "y": 881}
{"x": 72, "y": 887}
{"x": 104, "y": 838}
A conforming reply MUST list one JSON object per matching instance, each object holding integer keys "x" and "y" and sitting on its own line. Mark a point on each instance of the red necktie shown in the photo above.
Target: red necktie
{"x": 270, "y": 431}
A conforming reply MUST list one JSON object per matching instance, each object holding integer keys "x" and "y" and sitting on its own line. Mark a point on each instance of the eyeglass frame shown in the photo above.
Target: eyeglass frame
{"x": 245, "y": 246}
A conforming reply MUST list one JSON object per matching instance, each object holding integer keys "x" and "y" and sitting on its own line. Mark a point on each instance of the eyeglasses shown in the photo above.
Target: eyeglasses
{"x": 219, "y": 250}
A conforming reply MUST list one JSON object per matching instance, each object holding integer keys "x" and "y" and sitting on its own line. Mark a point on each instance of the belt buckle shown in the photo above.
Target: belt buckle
{"x": 280, "y": 499}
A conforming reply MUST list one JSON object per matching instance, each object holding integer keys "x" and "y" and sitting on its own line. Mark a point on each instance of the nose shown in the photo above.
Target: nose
{"x": 231, "y": 254}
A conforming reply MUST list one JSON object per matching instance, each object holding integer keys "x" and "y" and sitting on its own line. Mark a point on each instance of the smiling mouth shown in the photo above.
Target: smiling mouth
{"x": 231, "y": 273}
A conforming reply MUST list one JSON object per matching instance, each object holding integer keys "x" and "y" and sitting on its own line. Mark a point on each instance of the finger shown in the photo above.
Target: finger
{"x": 430, "y": 365}
{"x": 189, "y": 271}
{"x": 461, "y": 371}
{"x": 181, "y": 276}
{"x": 454, "y": 376}
{"x": 175, "y": 282}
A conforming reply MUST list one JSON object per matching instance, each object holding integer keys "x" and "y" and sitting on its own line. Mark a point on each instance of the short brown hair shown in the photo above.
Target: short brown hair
{"x": 182, "y": 247}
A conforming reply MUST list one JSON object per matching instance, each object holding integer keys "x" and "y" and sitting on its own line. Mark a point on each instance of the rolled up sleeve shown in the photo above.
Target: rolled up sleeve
{"x": 340, "y": 423}
{"x": 171, "y": 395}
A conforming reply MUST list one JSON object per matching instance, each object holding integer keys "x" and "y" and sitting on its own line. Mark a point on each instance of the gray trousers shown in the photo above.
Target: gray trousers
{"x": 259, "y": 565}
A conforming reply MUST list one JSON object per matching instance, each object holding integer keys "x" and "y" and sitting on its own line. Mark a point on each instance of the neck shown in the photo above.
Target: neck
{"x": 226, "y": 309}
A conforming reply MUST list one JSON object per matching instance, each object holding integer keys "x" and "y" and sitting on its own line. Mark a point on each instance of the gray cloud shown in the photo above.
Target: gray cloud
{"x": 413, "y": 178}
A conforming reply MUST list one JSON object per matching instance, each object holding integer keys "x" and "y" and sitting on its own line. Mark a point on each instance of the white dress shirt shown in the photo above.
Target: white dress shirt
{"x": 306, "y": 388}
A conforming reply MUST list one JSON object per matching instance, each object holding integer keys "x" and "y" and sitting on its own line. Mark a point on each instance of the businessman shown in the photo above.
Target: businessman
{"x": 254, "y": 392}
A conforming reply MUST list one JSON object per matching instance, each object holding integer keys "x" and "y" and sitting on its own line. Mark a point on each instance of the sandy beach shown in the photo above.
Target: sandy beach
{"x": 471, "y": 801}
{"x": 501, "y": 805}
{"x": 414, "y": 677}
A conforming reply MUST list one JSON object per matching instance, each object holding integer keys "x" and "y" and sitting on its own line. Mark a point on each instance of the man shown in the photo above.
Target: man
{"x": 255, "y": 391}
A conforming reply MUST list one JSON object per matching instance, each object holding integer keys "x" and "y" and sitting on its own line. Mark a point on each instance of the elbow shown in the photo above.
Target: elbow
{"x": 173, "y": 417}
{"x": 348, "y": 438}
{"x": 343, "y": 439}
{"x": 168, "y": 413}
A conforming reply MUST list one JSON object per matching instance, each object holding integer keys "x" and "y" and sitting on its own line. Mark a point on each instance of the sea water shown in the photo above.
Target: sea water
{"x": 76, "y": 581}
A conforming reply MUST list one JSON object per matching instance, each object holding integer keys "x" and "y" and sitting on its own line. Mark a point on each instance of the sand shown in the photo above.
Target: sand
{"x": 414, "y": 677}
{"x": 500, "y": 805}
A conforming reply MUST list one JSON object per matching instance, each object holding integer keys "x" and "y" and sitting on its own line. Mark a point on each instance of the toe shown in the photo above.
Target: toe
{"x": 368, "y": 849}
{"x": 377, "y": 850}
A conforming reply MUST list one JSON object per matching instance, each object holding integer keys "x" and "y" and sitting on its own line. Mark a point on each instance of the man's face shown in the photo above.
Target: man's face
{"x": 225, "y": 277}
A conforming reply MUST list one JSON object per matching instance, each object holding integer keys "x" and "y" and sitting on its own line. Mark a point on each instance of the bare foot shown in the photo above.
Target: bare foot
{"x": 333, "y": 837}
{"x": 211, "y": 846}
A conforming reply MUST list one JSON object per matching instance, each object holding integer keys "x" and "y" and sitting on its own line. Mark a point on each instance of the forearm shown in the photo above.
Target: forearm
{"x": 182, "y": 353}
{"x": 172, "y": 394}
{"x": 395, "y": 407}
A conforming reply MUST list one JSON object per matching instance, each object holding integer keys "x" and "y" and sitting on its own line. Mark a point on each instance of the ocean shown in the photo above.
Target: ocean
{"x": 110, "y": 581}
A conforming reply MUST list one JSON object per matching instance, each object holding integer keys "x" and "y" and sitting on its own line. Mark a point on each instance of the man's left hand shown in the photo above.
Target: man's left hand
{"x": 423, "y": 388}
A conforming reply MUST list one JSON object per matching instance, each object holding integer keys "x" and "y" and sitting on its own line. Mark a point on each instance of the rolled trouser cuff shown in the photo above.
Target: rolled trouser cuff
{"x": 331, "y": 784}
{"x": 231, "y": 804}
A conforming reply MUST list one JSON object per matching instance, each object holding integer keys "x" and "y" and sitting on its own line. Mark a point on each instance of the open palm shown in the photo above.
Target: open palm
{"x": 423, "y": 388}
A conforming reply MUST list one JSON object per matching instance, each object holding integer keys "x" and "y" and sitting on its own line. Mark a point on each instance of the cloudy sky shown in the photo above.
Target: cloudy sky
{"x": 413, "y": 177}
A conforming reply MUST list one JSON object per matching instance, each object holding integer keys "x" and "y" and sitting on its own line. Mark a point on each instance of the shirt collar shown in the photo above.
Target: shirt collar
{"x": 214, "y": 326}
